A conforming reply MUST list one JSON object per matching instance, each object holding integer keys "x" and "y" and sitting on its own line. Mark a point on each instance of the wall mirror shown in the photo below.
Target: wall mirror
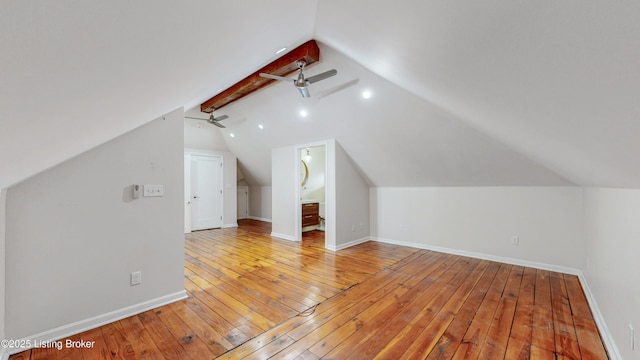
{"x": 304, "y": 173}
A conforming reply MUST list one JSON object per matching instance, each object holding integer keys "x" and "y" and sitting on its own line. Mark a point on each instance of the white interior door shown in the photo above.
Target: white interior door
{"x": 243, "y": 202}
{"x": 206, "y": 192}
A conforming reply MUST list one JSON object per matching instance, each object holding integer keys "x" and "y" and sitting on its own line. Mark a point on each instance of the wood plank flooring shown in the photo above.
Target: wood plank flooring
{"x": 254, "y": 297}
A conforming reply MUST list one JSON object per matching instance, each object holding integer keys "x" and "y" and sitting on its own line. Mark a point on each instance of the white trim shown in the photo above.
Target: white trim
{"x": 483, "y": 256}
{"x": 607, "y": 339}
{"x": 259, "y": 218}
{"x": 349, "y": 244}
{"x": 203, "y": 152}
{"x": 284, "y": 237}
{"x": 224, "y": 226}
{"x": 187, "y": 193}
{"x": 97, "y": 321}
{"x": 4, "y": 355}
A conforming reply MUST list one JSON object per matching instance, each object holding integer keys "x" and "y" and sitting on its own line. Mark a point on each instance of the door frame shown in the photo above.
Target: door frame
{"x": 329, "y": 190}
{"x": 187, "y": 180}
{"x": 246, "y": 189}
{"x": 187, "y": 193}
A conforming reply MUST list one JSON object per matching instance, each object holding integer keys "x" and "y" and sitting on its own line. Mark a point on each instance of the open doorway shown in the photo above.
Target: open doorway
{"x": 313, "y": 184}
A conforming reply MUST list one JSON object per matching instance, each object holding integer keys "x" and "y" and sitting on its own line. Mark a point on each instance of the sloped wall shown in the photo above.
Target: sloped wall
{"x": 201, "y": 135}
{"x": 352, "y": 202}
{"x": 74, "y": 232}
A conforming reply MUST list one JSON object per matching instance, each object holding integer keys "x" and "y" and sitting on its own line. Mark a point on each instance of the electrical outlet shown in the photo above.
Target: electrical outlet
{"x": 515, "y": 240}
{"x": 136, "y": 278}
{"x": 353, "y": 228}
{"x": 632, "y": 340}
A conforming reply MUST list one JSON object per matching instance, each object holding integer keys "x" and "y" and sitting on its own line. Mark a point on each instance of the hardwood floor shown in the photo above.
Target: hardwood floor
{"x": 254, "y": 297}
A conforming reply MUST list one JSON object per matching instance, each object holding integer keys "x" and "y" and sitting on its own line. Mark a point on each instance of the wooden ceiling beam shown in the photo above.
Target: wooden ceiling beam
{"x": 283, "y": 66}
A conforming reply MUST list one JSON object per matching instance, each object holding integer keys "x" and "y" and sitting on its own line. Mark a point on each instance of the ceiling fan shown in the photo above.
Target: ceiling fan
{"x": 212, "y": 120}
{"x": 301, "y": 82}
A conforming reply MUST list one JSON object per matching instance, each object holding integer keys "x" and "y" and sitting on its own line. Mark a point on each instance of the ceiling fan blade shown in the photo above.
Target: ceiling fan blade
{"x": 211, "y": 120}
{"x": 322, "y": 76}
{"x": 304, "y": 91}
{"x": 195, "y": 118}
{"x": 275, "y": 77}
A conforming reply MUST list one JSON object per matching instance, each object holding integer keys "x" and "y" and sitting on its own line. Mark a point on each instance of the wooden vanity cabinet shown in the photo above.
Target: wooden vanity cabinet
{"x": 310, "y": 214}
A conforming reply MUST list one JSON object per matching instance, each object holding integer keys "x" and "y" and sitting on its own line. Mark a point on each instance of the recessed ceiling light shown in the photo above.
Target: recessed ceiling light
{"x": 232, "y": 135}
{"x": 260, "y": 126}
{"x": 281, "y": 50}
{"x": 303, "y": 113}
{"x": 367, "y": 94}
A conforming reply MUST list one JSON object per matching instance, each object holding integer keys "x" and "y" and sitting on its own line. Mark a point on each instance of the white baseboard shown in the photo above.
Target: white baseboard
{"x": 259, "y": 219}
{"x": 609, "y": 344}
{"x": 607, "y": 339}
{"x": 229, "y": 225}
{"x": 348, "y": 244}
{"x": 94, "y": 322}
{"x": 483, "y": 256}
{"x": 284, "y": 237}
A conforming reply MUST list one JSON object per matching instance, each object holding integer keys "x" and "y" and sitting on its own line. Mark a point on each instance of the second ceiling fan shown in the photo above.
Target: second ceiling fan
{"x": 212, "y": 120}
{"x": 302, "y": 83}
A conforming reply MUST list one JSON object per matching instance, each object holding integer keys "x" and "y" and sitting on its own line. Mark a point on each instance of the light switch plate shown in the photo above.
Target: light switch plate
{"x": 154, "y": 190}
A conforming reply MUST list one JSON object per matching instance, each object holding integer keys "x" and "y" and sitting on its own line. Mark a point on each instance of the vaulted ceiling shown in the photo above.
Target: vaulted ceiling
{"x": 462, "y": 93}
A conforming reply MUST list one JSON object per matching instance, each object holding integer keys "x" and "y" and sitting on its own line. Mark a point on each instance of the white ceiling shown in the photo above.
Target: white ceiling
{"x": 464, "y": 93}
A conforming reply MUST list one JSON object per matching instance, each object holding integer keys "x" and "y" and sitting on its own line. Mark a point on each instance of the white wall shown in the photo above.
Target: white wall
{"x": 547, "y": 220}
{"x": 346, "y": 202}
{"x": 260, "y": 203}
{"x": 230, "y": 186}
{"x": 283, "y": 193}
{"x": 74, "y": 233}
{"x": 3, "y": 198}
{"x": 613, "y": 248}
{"x": 230, "y": 213}
{"x": 199, "y": 134}
{"x": 352, "y": 202}
{"x": 202, "y": 138}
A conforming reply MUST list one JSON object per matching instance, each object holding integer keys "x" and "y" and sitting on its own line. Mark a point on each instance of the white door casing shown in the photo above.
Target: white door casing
{"x": 243, "y": 202}
{"x": 187, "y": 193}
